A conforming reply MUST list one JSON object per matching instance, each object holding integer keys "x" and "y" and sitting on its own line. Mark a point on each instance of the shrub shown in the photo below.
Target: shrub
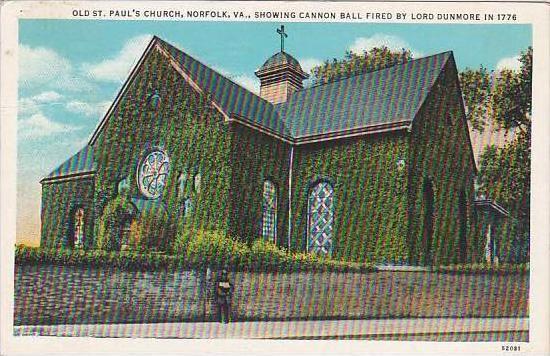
{"x": 269, "y": 255}
{"x": 185, "y": 232}
{"x": 136, "y": 236}
{"x": 152, "y": 231}
{"x": 216, "y": 248}
{"x": 108, "y": 232}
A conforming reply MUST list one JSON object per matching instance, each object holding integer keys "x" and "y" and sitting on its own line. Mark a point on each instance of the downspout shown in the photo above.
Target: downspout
{"x": 290, "y": 195}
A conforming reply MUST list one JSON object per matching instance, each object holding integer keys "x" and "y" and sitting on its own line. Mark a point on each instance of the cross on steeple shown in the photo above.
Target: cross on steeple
{"x": 281, "y": 31}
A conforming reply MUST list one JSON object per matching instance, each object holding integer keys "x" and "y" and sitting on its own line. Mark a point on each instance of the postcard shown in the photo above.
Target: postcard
{"x": 274, "y": 177}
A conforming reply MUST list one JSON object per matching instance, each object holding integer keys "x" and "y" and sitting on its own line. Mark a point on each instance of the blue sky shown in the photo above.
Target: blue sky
{"x": 70, "y": 70}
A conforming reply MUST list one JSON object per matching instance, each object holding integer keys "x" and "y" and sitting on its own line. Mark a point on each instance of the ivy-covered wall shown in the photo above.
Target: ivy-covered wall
{"x": 370, "y": 195}
{"x": 185, "y": 126}
{"x": 441, "y": 154}
{"x": 60, "y": 200}
{"x": 378, "y": 180}
{"x": 255, "y": 158}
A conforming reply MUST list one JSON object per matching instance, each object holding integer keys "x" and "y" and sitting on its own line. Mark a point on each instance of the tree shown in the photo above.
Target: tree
{"x": 505, "y": 172}
{"x": 476, "y": 93}
{"x": 352, "y": 64}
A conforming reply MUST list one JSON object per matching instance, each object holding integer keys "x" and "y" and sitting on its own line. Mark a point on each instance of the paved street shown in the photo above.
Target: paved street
{"x": 320, "y": 329}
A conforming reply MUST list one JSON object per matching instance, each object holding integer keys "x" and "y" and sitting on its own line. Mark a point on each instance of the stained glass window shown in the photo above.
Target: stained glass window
{"x": 269, "y": 216}
{"x": 78, "y": 228}
{"x": 182, "y": 181}
{"x": 153, "y": 173}
{"x": 320, "y": 218}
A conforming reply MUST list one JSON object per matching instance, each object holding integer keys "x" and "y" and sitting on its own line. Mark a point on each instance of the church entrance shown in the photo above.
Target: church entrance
{"x": 428, "y": 224}
{"x": 462, "y": 227}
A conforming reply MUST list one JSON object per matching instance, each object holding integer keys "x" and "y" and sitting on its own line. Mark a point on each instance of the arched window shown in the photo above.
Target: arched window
{"x": 78, "y": 233}
{"x": 320, "y": 218}
{"x": 269, "y": 211}
{"x": 197, "y": 183}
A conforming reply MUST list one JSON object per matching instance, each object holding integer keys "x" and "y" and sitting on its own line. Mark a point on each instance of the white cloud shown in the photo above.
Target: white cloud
{"x": 47, "y": 97}
{"x": 512, "y": 63}
{"x": 41, "y": 67}
{"x": 309, "y": 63}
{"x": 394, "y": 43}
{"x": 88, "y": 109}
{"x": 39, "y": 125}
{"x": 32, "y": 105}
{"x": 41, "y": 64}
{"x": 117, "y": 68}
{"x": 248, "y": 82}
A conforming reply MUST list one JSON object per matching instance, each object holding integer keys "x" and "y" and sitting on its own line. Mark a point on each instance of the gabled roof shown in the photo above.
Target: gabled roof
{"x": 386, "y": 99}
{"x": 385, "y": 96}
{"x": 80, "y": 164}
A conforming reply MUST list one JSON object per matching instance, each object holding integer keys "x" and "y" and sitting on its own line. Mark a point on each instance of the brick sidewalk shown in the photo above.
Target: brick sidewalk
{"x": 285, "y": 329}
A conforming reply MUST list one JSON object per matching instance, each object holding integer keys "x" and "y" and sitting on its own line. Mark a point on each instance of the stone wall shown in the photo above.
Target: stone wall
{"x": 69, "y": 295}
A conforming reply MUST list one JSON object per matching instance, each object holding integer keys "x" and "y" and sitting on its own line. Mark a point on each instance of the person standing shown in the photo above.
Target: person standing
{"x": 224, "y": 289}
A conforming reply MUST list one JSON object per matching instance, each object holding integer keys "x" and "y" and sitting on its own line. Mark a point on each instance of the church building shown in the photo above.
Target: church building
{"x": 375, "y": 167}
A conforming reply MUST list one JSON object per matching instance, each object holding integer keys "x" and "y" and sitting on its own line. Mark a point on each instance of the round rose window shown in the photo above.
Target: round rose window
{"x": 153, "y": 173}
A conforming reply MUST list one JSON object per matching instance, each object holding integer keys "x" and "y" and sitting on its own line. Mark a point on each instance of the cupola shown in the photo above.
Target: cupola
{"x": 281, "y": 75}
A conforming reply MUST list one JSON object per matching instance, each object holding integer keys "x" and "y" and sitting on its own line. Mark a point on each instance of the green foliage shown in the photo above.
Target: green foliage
{"x": 356, "y": 63}
{"x": 432, "y": 143}
{"x": 476, "y": 91}
{"x": 370, "y": 196}
{"x": 512, "y": 96}
{"x": 126, "y": 260}
{"x": 110, "y": 222}
{"x": 505, "y": 176}
{"x": 156, "y": 230}
{"x": 505, "y": 172}
{"x": 503, "y": 96}
{"x": 59, "y": 201}
{"x": 203, "y": 148}
{"x": 216, "y": 248}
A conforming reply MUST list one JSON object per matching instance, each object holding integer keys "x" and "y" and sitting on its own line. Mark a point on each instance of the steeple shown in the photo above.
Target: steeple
{"x": 281, "y": 75}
